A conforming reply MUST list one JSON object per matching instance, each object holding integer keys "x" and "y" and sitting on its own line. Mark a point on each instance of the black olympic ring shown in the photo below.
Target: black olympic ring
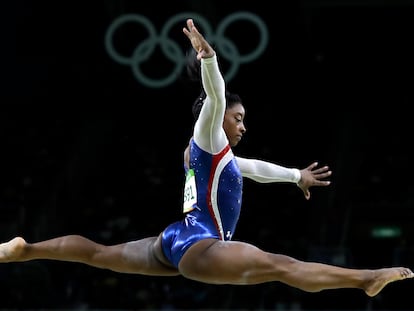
{"x": 171, "y": 49}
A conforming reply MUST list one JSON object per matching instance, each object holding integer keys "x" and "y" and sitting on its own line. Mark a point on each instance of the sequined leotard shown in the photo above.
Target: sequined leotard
{"x": 219, "y": 193}
{"x": 218, "y": 174}
{"x": 218, "y": 178}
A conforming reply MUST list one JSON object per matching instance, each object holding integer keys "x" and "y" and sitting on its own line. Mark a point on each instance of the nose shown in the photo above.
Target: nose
{"x": 243, "y": 128}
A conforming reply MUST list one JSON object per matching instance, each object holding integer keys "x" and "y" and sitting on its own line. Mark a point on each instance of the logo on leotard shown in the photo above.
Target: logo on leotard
{"x": 228, "y": 235}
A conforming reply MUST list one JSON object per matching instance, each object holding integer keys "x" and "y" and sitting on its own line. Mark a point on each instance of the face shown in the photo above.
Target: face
{"x": 233, "y": 124}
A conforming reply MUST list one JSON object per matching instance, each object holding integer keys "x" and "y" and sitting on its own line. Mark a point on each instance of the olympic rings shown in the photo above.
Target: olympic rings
{"x": 225, "y": 47}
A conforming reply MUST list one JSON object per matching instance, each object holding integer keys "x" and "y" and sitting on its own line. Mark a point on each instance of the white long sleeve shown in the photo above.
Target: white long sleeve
{"x": 266, "y": 172}
{"x": 208, "y": 130}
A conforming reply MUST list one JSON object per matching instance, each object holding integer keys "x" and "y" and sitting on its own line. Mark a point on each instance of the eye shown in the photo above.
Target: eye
{"x": 238, "y": 120}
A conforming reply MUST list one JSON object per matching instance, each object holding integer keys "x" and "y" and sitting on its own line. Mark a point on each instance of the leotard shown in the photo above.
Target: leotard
{"x": 218, "y": 175}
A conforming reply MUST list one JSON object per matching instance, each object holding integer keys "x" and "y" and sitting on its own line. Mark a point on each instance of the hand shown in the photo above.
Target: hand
{"x": 202, "y": 47}
{"x": 312, "y": 176}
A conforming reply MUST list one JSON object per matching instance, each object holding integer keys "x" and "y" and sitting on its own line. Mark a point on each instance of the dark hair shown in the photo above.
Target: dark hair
{"x": 194, "y": 74}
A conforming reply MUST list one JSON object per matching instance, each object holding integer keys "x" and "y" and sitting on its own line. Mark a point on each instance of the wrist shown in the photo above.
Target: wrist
{"x": 297, "y": 176}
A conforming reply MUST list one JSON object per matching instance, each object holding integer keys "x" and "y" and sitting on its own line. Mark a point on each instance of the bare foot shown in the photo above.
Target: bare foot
{"x": 382, "y": 277}
{"x": 11, "y": 250}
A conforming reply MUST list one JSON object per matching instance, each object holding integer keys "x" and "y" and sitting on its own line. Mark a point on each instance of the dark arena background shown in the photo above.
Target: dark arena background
{"x": 96, "y": 113}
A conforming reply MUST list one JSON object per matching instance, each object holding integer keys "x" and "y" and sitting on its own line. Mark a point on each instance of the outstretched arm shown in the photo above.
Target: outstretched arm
{"x": 266, "y": 172}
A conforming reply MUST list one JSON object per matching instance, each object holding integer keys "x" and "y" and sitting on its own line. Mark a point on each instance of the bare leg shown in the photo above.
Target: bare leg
{"x": 140, "y": 257}
{"x": 219, "y": 262}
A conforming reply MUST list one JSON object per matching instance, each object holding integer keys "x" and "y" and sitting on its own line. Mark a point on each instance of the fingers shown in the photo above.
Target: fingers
{"x": 190, "y": 28}
{"x": 321, "y": 172}
{"x": 322, "y": 183}
{"x": 320, "y": 169}
{"x": 312, "y": 166}
{"x": 190, "y": 24}
{"x": 318, "y": 179}
{"x": 322, "y": 175}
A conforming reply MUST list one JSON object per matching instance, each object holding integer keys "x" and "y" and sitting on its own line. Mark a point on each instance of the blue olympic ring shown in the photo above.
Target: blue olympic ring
{"x": 171, "y": 49}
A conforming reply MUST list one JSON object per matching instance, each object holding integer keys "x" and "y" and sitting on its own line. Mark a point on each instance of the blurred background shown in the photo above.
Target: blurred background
{"x": 96, "y": 113}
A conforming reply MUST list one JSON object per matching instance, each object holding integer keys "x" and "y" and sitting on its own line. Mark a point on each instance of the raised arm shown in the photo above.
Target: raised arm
{"x": 208, "y": 130}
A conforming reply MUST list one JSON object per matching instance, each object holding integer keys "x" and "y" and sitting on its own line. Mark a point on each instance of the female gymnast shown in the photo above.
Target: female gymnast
{"x": 200, "y": 246}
